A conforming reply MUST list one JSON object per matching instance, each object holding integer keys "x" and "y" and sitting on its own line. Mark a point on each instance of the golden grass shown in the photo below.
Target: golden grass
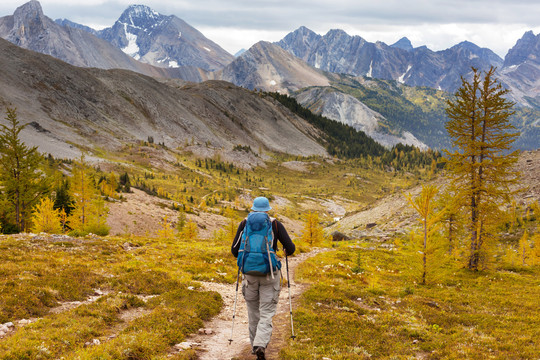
{"x": 362, "y": 305}
{"x": 38, "y": 274}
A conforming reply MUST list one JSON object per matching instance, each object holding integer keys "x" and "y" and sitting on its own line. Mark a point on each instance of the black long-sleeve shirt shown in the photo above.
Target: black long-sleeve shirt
{"x": 278, "y": 231}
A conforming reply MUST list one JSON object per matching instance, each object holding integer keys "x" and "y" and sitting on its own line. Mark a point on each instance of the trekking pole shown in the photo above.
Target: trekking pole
{"x": 234, "y": 311}
{"x": 290, "y": 302}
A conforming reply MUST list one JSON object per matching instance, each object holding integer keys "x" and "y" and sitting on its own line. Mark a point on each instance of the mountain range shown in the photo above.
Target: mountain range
{"x": 309, "y": 66}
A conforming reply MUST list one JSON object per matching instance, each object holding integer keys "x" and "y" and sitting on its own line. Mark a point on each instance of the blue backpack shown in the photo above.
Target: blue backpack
{"x": 256, "y": 252}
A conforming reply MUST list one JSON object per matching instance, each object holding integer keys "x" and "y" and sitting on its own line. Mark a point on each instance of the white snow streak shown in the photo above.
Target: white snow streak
{"x": 173, "y": 64}
{"x": 370, "y": 69}
{"x": 317, "y": 61}
{"x": 401, "y": 79}
{"x": 132, "y": 49}
{"x": 207, "y": 49}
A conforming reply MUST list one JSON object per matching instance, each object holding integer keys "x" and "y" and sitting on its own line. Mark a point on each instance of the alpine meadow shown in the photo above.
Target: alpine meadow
{"x": 407, "y": 179}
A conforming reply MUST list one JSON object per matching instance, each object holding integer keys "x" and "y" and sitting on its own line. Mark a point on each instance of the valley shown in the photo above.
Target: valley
{"x": 137, "y": 276}
{"x": 130, "y": 154}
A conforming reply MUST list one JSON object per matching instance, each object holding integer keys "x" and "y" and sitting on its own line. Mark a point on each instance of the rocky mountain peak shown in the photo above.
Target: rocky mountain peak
{"x": 299, "y": 41}
{"x": 163, "y": 40}
{"x": 336, "y": 34}
{"x": 29, "y": 10}
{"x": 526, "y": 48}
{"x": 140, "y": 16}
{"x": 466, "y": 45}
{"x": 28, "y": 23}
{"x": 403, "y": 43}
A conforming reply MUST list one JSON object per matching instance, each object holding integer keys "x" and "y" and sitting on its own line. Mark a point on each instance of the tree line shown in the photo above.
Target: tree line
{"x": 346, "y": 142}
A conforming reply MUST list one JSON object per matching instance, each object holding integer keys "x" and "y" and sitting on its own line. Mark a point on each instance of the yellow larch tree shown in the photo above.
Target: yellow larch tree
{"x": 190, "y": 231}
{"x": 481, "y": 167}
{"x": 46, "y": 218}
{"x": 166, "y": 231}
{"x": 525, "y": 251}
{"x": 424, "y": 205}
{"x": 90, "y": 212}
{"x": 313, "y": 232}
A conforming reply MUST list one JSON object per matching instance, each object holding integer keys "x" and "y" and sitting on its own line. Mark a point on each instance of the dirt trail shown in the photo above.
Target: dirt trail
{"x": 216, "y": 345}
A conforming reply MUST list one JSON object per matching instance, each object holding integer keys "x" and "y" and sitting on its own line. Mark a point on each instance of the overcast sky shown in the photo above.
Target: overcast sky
{"x": 237, "y": 24}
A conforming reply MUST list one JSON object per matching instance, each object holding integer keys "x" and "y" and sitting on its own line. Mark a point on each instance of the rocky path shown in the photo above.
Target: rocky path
{"x": 214, "y": 343}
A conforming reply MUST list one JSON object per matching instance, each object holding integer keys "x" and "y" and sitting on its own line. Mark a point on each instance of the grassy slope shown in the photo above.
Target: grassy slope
{"x": 38, "y": 273}
{"x": 363, "y": 304}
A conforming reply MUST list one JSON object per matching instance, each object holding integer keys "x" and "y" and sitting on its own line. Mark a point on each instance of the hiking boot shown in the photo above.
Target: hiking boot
{"x": 253, "y": 349}
{"x": 259, "y": 351}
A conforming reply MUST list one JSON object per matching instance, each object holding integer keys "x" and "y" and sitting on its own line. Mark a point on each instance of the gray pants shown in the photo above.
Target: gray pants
{"x": 261, "y": 294}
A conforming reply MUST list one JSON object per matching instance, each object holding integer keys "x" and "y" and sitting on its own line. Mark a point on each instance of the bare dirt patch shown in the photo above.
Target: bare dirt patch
{"x": 529, "y": 166}
{"x": 140, "y": 214}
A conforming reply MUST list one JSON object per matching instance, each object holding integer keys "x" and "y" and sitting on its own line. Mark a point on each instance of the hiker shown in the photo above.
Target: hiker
{"x": 261, "y": 282}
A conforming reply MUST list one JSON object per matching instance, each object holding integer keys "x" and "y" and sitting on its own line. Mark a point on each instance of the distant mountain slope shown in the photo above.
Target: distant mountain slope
{"x": 521, "y": 70}
{"x": 67, "y": 22}
{"x": 268, "y": 67}
{"x": 108, "y": 108}
{"x": 165, "y": 41}
{"x": 336, "y": 105}
{"x": 29, "y": 28}
{"x": 339, "y": 52}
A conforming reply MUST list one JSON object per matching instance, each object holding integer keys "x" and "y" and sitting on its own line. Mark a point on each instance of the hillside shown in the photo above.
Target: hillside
{"x": 106, "y": 109}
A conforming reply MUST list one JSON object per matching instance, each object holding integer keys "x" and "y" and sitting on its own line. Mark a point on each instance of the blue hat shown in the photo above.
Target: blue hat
{"x": 261, "y": 204}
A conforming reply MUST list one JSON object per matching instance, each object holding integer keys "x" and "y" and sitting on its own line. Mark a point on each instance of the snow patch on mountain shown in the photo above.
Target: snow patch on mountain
{"x": 401, "y": 79}
{"x": 369, "y": 73}
{"x": 317, "y": 61}
{"x": 132, "y": 49}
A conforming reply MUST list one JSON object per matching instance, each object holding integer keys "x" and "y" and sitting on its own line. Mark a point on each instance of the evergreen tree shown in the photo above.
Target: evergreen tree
{"x": 21, "y": 181}
{"x": 124, "y": 184}
{"x": 481, "y": 165}
{"x": 63, "y": 199}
